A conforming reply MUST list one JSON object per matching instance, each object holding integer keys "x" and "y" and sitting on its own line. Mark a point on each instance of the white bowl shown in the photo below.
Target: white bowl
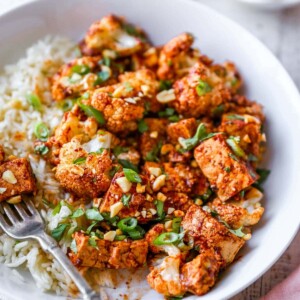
{"x": 266, "y": 81}
{"x": 271, "y": 4}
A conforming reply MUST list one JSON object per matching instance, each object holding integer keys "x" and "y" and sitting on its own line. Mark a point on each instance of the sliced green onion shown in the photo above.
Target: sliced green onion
{"x": 203, "y": 88}
{"x": 113, "y": 221}
{"x": 92, "y": 242}
{"x": 89, "y": 229}
{"x": 137, "y": 233}
{"x": 81, "y": 69}
{"x": 176, "y": 224}
{"x": 56, "y": 209}
{"x": 237, "y": 150}
{"x": 127, "y": 224}
{"x": 113, "y": 171}
{"x": 67, "y": 104}
{"x": 41, "y": 149}
{"x": 79, "y": 161}
{"x": 235, "y": 117}
{"x": 128, "y": 86}
{"x": 105, "y": 61}
{"x": 206, "y": 195}
{"x": 165, "y": 85}
{"x": 131, "y": 175}
{"x": 34, "y": 101}
{"x": 238, "y": 232}
{"x": 92, "y": 112}
{"x": 121, "y": 237}
{"x": 125, "y": 199}
{"x": 41, "y": 131}
{"x": 166, "y": 238}
{"x": 154, "y": 153}
{"x": 159, "y": 208}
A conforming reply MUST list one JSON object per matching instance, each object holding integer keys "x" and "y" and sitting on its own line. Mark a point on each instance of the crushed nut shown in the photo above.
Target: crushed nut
{"x": 109, "y": 236}
{"x": 168, "y": 224}
{"x": 178, "y": 213}
{"x": 153, "y": 211}
{"x": 165, "y": 149}
{"x": 154, "y": 134}
{"x": 149, "y": 198}
{"x": 171, "y": 210}
{"x": 161, "y": 197}
{"x": 155, "y": 171}
{"x": 144, "y": 213}
{"x": 140, "y": 188}
{"x": 137, "y": 214}
{"x": 3, "y": 190}
{"x": 198, "y": 202}
{"x": 97, "y": 202}
{"x": 246, "y": 139}
{"x": 166, "y": 96}
{"x": 14, "y": 200}
{"x": 115, "y": 209}
{"x": 9, "y": 177}
{"x": 77, "y": 170}
{"x": 159, "y": 182}
{"x": 247, "y": 236}
{"x": 194, "y": 164}
{"x": 119, "y": 231}
{"x": 124, "y": 184}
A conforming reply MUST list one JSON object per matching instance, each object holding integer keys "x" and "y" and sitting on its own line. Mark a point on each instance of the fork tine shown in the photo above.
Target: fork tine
{"x": 3, "y": 221}
{"x": 31, "y": 207}
{"x": 10, "y": 214}
{"x": 21, "y": 210}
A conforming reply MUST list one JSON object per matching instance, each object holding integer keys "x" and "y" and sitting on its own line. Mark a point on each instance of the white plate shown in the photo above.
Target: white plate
{"x": 266, "y": 81}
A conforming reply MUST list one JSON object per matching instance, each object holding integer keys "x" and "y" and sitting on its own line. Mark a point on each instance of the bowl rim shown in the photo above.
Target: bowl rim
{"x": 293, "y": 90}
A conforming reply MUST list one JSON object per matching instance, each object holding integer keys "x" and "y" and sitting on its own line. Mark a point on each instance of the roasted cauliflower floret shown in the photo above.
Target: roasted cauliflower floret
{"x": 16, "y": 178}
{"x": 200, "y": 274}
{"x": 200, "y": 92}
{"x": 77, "y": 77}
{"x": 112, "y": 33}
{"x": 165, "y": 276}
{"x": 107, "y": 254}
{"x": 240, "y": 213}
{"x": 73, "y": 125}
{"x": 177, "y": 57}
{"x": 84, "y": 173}
{"x": 248, "y": 129}
{"x": 210, "y": 233}
{"x": 226, "y": 173}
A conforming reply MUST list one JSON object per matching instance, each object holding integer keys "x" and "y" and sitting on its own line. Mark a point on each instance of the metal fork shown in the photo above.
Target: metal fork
{"x": 22, "y": 221}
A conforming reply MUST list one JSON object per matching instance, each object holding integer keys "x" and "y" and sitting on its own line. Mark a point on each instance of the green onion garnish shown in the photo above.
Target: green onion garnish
{"x": 235, "y": 147}
{"x": 131, "y": 175}
{"x": 92, "y": 112}
{"x": 166, "y": 238}
{"x": 41, "y": 131}
{"x": 34, "y": 101}
{"x": 203, "y": 88}
{"x": 81, "y": 69}
{"x": 79, "y": 161}
{"x": 125, "y": 199}
{"x": 127, "y": 224}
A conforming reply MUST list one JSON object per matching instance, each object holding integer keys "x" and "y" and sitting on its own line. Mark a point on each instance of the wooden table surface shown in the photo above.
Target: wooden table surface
{"x": 280, "y": 32}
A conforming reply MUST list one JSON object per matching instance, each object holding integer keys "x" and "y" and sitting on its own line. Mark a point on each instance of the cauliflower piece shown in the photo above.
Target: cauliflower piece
{"x": 111, "y": 255}
{"x": 16, "y": 178}
{"x": 227, "y": 174}
{"x": 2, "y": 154}
{"x": 86, "y": 174}
{"x": 210, "y": 233}
{"x": 114, "y": 34}
{"x": 77, "y": 77}
{"x": 177, "y": 57}
{"x": 184, "y": 129}
{"x": 244, "y": 212}
{"x": 247, "y": 128}
{"x": 138, "y": 206}
{"x": 71, "y": 126}
{"x": 200, "y": 92}
{"x": 200, "y": 274}
{"x": 165, "y": 277}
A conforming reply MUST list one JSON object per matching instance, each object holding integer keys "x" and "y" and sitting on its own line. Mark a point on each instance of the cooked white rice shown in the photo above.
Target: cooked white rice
{"x": 17, "y": 120}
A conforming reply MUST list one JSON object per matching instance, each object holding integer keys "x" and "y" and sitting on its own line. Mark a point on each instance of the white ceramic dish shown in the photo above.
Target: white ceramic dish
{"x": 220, "y": 38}
{"x": 271, "y": 4}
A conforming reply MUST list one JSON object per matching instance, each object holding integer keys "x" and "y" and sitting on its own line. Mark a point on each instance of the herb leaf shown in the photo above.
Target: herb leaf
{"x": 127, "y": 164}
{"x": 125, "y": 199}
{"x": 102, "y": 77}
{"x": 58, "y": 232}
{"x": 79, "y": 161}
{"x": 93, "y": 214}
{"x": 73, "y": 246}
{"x": 92, "y": 112}
{"x": 78, "y": 213}
{"x": 153, "y": 154}
{"x": 142, "y": 126}
{"x": 81, "y": 69}
{"x": 131, "y": 175}
{"x": 238, "y": 232}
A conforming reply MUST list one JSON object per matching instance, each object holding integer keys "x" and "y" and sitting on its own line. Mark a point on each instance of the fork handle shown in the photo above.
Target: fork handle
{"x": 51, "y": 246}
